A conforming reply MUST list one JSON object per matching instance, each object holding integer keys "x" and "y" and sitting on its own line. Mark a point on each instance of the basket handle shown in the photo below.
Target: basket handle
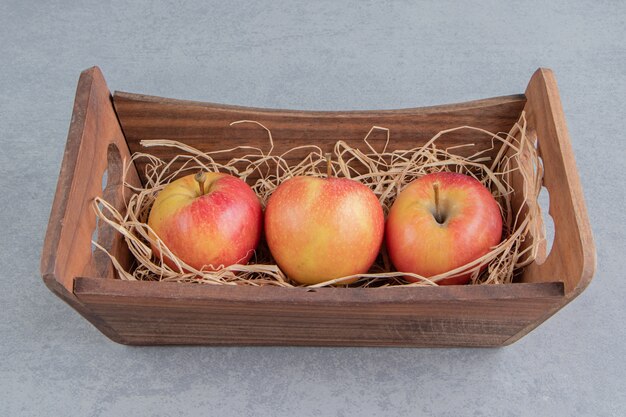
{"x": 95, "y": 144}
{"x": 572, "y": 258}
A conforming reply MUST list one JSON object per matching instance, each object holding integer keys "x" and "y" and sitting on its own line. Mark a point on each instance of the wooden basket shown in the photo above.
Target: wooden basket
{"x": 105, "y": 130}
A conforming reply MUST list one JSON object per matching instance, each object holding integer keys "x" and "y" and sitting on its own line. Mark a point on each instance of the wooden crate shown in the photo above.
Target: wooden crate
{"x": 105, "y": 130}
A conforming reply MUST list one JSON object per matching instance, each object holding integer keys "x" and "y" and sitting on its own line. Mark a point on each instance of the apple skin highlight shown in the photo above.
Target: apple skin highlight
{"x": 320, "y": 229}
{"x": 418, "y": 243}
{"x": 222, "y": 227}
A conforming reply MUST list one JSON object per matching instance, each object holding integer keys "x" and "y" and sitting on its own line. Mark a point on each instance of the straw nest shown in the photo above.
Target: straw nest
{"x": 386, "y": 173}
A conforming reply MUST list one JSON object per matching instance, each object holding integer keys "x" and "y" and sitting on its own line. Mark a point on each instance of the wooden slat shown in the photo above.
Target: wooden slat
{"x": 170, "y": 313}
{"x": 572, "y": 258}
{"x": 66, "y": 250}
{"x": 206, "y": 127}
{"x": 94, "y": 133}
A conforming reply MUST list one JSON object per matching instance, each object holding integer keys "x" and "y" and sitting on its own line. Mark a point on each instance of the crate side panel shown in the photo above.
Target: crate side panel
{"x": 207, "y": 126}
{"x": 332, "y": 318}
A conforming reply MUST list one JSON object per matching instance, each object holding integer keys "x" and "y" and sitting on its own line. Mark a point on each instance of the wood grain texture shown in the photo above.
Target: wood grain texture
{"x": 206, "y": 127}
{"x": 93, "y": 135}
{"x": 572, "y": 258}
{"x": 170, "y": 313}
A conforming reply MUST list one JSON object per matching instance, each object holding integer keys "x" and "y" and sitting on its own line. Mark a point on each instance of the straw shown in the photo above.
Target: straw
{"x": 386, "y": 173}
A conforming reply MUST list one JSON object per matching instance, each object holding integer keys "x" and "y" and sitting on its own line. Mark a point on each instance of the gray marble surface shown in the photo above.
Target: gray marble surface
{"x": 307, "y": 55}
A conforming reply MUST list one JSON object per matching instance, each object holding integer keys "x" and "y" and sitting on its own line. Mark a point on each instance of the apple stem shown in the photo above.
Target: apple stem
{"x": 200, "y": 177}
{"x": 437, "y": 211}
{"x": 329, "y": 165}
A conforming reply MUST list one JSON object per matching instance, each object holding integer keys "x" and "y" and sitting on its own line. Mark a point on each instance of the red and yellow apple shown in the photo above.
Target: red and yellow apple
{"x": 208, "y": 220}
{"x": 320, "y": 229}
{"x": 441, "y": 222}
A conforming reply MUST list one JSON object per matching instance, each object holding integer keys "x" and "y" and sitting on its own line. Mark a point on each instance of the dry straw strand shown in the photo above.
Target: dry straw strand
{"x": 385, "y": 172}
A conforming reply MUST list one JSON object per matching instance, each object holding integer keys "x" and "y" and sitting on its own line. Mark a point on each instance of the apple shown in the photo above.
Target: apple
{"x": 440, "y": 222}
{"x": 320, "y": 229}
{"x": 208, "y": 220}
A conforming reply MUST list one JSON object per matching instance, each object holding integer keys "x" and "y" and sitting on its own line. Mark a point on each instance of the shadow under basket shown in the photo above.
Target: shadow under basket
{"x": 105, "y": 130}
